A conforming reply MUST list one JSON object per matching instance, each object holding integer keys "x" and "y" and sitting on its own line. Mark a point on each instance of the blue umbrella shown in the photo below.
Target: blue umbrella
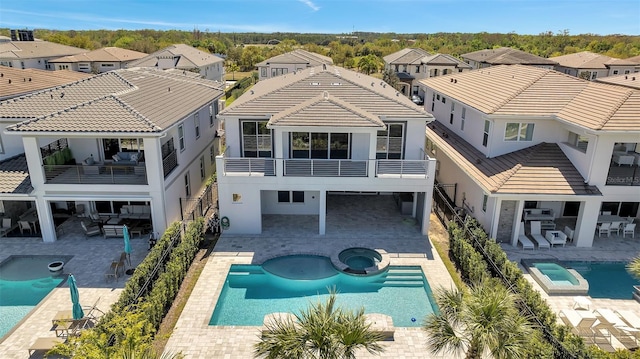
{"x": 127, "y": 245}
{"x": 75, "y": 299}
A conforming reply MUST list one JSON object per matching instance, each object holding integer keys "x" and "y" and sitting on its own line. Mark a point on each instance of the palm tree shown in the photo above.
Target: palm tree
{"x": 322, "y": 331}
{"x": 369, "y": 63}
{"x": 483, "y": 320}
{"x": 634, "y": 267}
{"x": 233, "y": 67}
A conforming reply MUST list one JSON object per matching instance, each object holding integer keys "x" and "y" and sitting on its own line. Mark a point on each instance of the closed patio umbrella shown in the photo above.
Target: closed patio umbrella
{"x": 75, "y": 299}
{"x": 127, "y": 244}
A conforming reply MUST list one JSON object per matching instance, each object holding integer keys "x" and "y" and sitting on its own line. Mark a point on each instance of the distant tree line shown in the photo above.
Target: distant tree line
{"x": 346, "y": 50}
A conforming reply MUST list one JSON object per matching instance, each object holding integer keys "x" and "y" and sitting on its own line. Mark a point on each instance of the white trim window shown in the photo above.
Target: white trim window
{"x": 485, "y": 199}
{"x": 390, "y": 142}
{"x": 211, "y": 116}
{"x": 181, "y": 137}
{"x": 212, "y": 154}
{"x": 1, "y": 146}
{"x": 320, "y": 145}
{"x": 187, "y": 185}
{"x": 203, "y": 172}
{"x": 518, "y": 132}
{"x": 453, "y": 110}
{"x": 256, "y": 139}
{"x": 579, "y": 142}
{"x": 462, "y": 118}
{"x": 196, "y": 124}
{"x": 485, "y": 134}
{"x": 290, "y": 196}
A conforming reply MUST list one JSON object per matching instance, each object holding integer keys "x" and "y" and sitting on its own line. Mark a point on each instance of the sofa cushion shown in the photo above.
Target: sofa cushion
{"x": 116, "y": 158}
{"x": 88, "y": 161}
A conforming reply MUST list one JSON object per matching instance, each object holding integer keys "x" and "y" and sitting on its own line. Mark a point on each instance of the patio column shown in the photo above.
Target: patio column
{"x": 517, "y": 222}
{"x": 279, "y": 152}
{"x": 45, "y": 218}
{"x": 323, "y": 212}
{"x": 586, "y": 224}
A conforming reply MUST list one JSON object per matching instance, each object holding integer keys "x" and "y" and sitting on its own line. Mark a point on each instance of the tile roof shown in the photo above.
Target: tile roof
{"x": 29, "y": 80}
{"x": 105, "y": 54}
{"x": 444, "y": 59}
{"x": 507, "y": 56}
{"x": 14, "y": 176}
{"x": 298, "y": 56}
{"x": 187, "y": 57}
{"x": 35, "y": 49}
{"x": 530, "y": 91}
{"x": 325, "y": 110}
{"x": 134, "y": 100}
{"x": 407, "y": 56}
{"x": 629, "y": 80}
{"x": 542, "y": 169}
{"x": 357, "y": 92}
{"x": 589, "y": 60}
{"x": 635, "y": 59}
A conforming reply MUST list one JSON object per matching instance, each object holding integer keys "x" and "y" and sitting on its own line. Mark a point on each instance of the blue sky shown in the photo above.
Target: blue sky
{"x": 329, "y": 16}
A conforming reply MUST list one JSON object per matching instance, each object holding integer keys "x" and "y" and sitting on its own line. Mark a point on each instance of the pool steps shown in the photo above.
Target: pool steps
{"x": 403, "y": 278}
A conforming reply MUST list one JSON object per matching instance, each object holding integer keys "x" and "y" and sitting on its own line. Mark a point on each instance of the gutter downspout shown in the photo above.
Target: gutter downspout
{"x": 588, "y": 179}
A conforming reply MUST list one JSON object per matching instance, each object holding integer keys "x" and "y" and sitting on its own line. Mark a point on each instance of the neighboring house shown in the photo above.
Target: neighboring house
{"x": 630, "y": 80}
{"x": 505, "y": 56}
{"x": 413, "y": 64}
{"x": 97, "y": 61}
{"x": 33, "y": 54}
{"x": 184, "y": 57}
{"x": 292, "y": 142}
{"x": 590, "y": 66}
{"x": 635, "y": 60}
{"x": 15, "y": 82}
{"x": 138, "y": 140}
{"x": 539, "y": 139}
{"x": 295, "y": 60}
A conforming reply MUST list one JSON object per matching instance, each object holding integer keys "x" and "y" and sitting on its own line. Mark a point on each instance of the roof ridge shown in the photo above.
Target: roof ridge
{"x": 522, "y": 89}
{"x": 151, "y": 124}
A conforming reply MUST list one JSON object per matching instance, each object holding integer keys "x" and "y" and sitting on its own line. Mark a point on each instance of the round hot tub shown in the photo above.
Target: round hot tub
{"x": 361, "y": 261}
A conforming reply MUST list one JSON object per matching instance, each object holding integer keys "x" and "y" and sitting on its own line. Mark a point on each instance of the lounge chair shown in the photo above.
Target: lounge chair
{"x": 44, "y": 344}
{"x": 536, "y": 235}
{"x": 524, "y": 240}
{"x": 609, "y": 321}
{"x": 629, "y": 317}
{"x": 582, "y": 323}
{"x": 67, "y": 315}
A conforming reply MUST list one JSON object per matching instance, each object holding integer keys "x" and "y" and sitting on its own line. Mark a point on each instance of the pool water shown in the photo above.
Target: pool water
{"x": 556, "y": 273}
{"x": 24, "y": 282}
{"x": 606, "y": 279}
{"x": 250, "y": 293}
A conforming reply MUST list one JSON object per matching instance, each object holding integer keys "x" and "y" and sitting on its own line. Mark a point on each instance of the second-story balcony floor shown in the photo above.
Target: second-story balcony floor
{"x": 98, "y": 174}
{"x": 325, "y": 167}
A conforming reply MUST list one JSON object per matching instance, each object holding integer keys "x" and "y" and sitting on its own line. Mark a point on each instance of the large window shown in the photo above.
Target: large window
{"x": 112, "y": 146}
{"x": 181, "y": 137}
{"x": 187, "y": 185}
{"x": 256, "y": 139}
{"x": 462, "y": 117}
{"x": 196, "y": 123}
{"x": 485, "y": 135}
{"x": 390, "y": 142}
{"x": 519, "y": 132}
{"x": 320, "y": 145}
{"x": 203, "y": 172}
{"x": 580, "y": 142}
{"x": 277, "y": 72}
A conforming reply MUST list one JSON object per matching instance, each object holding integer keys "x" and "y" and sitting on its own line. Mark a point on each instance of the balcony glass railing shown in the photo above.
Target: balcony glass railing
{"x": 95, "y": 174}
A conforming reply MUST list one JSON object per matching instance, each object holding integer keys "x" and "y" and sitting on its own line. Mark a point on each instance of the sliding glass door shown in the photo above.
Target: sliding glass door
{"x": 319, "y": 145}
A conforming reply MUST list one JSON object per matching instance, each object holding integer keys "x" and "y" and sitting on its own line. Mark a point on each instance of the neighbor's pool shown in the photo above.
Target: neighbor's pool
{"x": 606, "y": 279}
{"x": 24, "y": 282}
{"x": 251, "y": 292}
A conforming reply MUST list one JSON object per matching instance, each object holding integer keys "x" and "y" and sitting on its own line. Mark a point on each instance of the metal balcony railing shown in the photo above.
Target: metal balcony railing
{"x": 96, "y": 174}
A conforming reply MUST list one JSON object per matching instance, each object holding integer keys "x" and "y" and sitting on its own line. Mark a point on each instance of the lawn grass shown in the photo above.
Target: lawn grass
{"x": 238, "y": 75}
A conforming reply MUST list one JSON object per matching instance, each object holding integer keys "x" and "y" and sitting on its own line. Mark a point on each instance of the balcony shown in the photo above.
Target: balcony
{"x": 97, "y": 174}
{"x": 624, "y": 170}
{"x": 325, "y": 167}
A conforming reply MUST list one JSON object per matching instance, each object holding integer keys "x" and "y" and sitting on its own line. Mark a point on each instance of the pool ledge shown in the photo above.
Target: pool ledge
{"x": 556, "y": 289}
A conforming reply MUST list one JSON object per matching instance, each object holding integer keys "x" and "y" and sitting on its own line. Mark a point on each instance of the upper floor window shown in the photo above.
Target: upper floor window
{"x": 615, "y": 72}
{"x": 418, "y": 69}
{"x": 279, "y": 71}
{"x": 580, "y": 142}
{"x": 626, "y": 72}
{"x": 444, "y": 99}
{"x": 212, "y": 154}
{"x": 519, "y": 132}
{"x": 404, "y": 68}
{"x": 211, "y": 115}
{"x": 390, "y": 142}
{"x": 594, "y": 75}
{"x": 263, "y": 72}
{"x": 445, "y": 71}
{"x": 187, "y": 185}
{"x": 320, "y": 145}
{"x": 453, "y": 110}
{"x": 203, "y": 172}
{"x": 485, "y": 199}
{"x": 196, "y": 122}
{"x": 434, "y": 72}
{"x": 485, "y": 135}
{"x": 256, "y": 139}
{"x": 181, "y": 137}
{"x": 397, "y": 68}
{"x": 1, "y": 146}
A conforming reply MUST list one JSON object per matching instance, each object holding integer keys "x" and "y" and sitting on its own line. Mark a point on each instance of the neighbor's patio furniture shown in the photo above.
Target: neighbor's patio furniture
{"x": 615, "y": 227}
{"x": 25, "y": 226}
{"x": 44, "y": 344}
{"x": 629, "y": 228}
{"x": 91, "y": 229}
{"x": 569, "y": 232}
{"x": 604, "y": 228}
{"x": 556, "y": 237}
{"x": 536, "y": 235}
{"x": 523, "y": 239}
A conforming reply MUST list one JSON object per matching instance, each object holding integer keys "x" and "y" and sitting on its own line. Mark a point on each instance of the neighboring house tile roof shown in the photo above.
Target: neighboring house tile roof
{"x": 529, "y": 91}
{"x": 507, "y": 56}
{"x": 539, "y": 169}
{"x": 135, "y": 100}
{"x": 406, "y": 56}
{"x": 35, "y": 49}
{"x": 444, "y": 59}
{"x": 29, "y": 80}
{"x": 589, "y": 60}
{"x": 358, "y": 92}
{"x": 14, "y": 173}
{"x": 629, "y": 80}
{"x": 105, "y": 54}
{"x": 298, "y": 56}
{"x": 186, "y": 57}
{"x": 635, "y": 59}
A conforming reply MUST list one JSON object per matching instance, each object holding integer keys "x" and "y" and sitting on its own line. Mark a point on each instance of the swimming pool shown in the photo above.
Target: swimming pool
{"x": 24, "y": 282}
{"x": 250, "y": 292}
{"x": 558, "y": 274}
{"x": 606, "y": 279}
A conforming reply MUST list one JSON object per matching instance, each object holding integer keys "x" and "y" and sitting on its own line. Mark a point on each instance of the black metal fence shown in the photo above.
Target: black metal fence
{"x": 204, "y": 206}
{"x": 448, "y": 213}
